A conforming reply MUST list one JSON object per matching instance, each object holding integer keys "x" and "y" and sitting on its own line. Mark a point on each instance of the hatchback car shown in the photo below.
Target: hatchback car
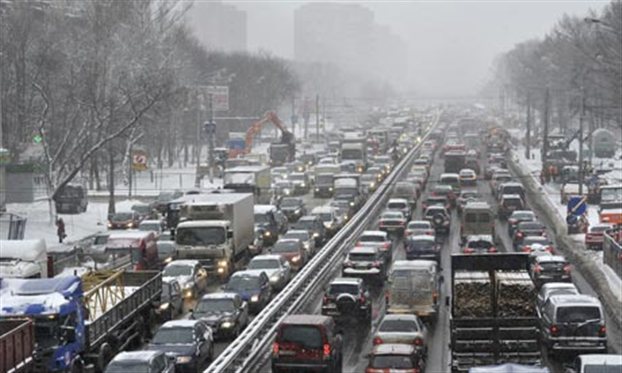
{"x": 225, "y": 313}
{"x": 253, "y": 286}
{"x": 189, "y": 343}
{"x": 124, "y": 220}
{"x": 140, "y": 361}
{"x": 479, "y": 244}
{"x": 402, "y": 328}
{"x": 549, "y": 268}
{"x": 365, "y": 262}
{"x": 392, "y": 222}
{"x": 292, "y": 250}
{"x": 554, "y": 288}
{"x": 190, "y": 275}
{"x": 508, "y": 203}
{"x": 307, "y": 342}
{"x": 275, "y": 266}
{"x": 468, "y": 178}
{"x": 422, "y": 247}
{"x": 293, "y": 207}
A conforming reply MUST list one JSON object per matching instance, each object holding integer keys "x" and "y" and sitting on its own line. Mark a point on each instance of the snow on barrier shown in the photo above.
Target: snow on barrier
{"x": 612, "y": 250}
{"x": 548, "y": 212}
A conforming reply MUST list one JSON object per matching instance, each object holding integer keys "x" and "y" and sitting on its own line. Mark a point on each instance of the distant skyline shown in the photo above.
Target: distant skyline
{"x": 451, "y": 44}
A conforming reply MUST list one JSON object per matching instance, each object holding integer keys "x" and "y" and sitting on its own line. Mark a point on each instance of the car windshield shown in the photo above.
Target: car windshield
{"x": 200, "y": 236}
{"x": 302, "y": 236}
{"x": 336, "y": 289}
{"x": 325, "y": 216}
{"x": 577, "y": 314}
{"x": 423, "y": 244}
{"x": 614, "y": 368}
{"x": 290, "y": 202}
{"x": 530, "y": 226}
{"x": 177, "y": 270}
{"x": 286, "y": 247}
{"x": 121, "y": 216}
{"x": 100, "y": 240}
{"x": 128, "y": 367}
{"x": 419, "y": 225}
{"x": 522, "y": 215}
{"x": 243, "y": 283}
{"x": 307, "y": 336}
{"x": 215, "y": 305}
{"x": 480, "y": 244}
{"x": 466, "y": 195}
{"x": 391, "y": 215}
{"x": 362, "y": 257}
{"x": 174, "y": 335}
{"x": 264, "y": 264}
{"x": 396, "y": 325}
{"x": 530, "y": 240}
{"x": 391, "y": 362}
{"x": 149, "y": 227}
{"x": 397, "y": 205}
{"x": 371, "y": 238}
{"x": 142, "y": 209}
{"x": 261, "y": 218}
{"x": 304, "y": 224}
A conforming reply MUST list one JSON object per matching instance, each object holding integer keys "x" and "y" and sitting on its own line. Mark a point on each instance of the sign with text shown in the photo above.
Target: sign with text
{"x": 220, "y": 96}
{"x": 139, "y": 160}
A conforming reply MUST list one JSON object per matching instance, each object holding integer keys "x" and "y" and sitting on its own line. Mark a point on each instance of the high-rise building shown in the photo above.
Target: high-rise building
{"x": 219, "y": 26}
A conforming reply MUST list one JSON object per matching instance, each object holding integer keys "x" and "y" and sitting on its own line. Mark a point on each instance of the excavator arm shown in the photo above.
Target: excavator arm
{"x": 286, "y": 136}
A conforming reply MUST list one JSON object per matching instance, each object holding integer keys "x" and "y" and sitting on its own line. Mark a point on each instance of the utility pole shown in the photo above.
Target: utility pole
{"x": 294, "y": 116}
{"x": 3, "y": 152}
{"x": 528, "y": 135}
{"x": 211, "y": 129}
{"x": 545, "y": 135}
{"x": 130, "y": 171}
{"x": 317, "y": 117}
{"x": 306, "y": 116}
{"x": 581, "y": 168}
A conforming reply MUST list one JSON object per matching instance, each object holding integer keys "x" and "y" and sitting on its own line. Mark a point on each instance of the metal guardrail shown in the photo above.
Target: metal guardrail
{"x": 249, "y": 349}
{"x": 612, "y": 250}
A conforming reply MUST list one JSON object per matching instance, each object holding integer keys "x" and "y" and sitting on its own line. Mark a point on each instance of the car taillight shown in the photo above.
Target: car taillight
{"x": 526, "y": 249}
{"x": 549, "y": 249}
{"x": 492, "y": 249}
{"x": 418, "y": 341}
{"x": 554, "y": 330}
{"x": 512, "y": 221}
{"x": 381, "y": 224}
{"x": 325, "y": 300}
{"x": 377, "y": 341}
{"x": 348, "y": 264}
{"x": 362, "y": 299}
{"x": 275, "y": 348}
{"x": 326, "y": 350}
{"x": 567, "y": 268}
{"x": 468, "y": 250}
{"x": 602, "y": 331}
{"x": 519, "y": 234}
{"x": 537, "y": 268}
{"x": 376, "y": 264}
{"x": 434, "y": 297}
{"x": 408, "y": 233}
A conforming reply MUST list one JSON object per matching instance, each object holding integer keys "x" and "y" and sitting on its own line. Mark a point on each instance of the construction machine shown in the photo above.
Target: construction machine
{"x": 280, "y": 152}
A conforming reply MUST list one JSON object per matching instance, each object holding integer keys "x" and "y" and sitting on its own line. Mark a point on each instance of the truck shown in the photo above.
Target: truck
{"x": 23, "y": 258}
{"x": 354, "y": 148}
{"x": 216, "y": 230}
{"x": 324, "y": 175}
{"x": 256, "y": 180}
{"x": 236, "y": 144}
{"x": 17, "y": 345}
{"x": 493, "y": 317}
{"x": 279, "y": 154}
{"x": 381, "y": 138}
{"x": 348, "y": 187}
{"x": 82, "y": 322}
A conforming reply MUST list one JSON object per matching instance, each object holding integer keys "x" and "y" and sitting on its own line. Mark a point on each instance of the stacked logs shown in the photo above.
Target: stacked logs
{"x": 472, "y": 295}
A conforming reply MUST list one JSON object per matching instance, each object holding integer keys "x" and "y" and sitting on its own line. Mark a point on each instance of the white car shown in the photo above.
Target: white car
{"x": 189, "y": 273}
{"x": 419, "y": 227}
{"x": 275, "y": 267}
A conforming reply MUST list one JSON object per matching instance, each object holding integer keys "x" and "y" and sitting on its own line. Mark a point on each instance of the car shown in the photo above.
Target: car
{"x": 259, "y": 243}
{"x": 95, "y": 247}
{"x": 365, "y": 262}
{"x": 329, "y": 217}
{"x": 508, "y": 203}
{"x": 452, "y": 180}
{"x": 225, "y": 313}
{"x": 433, "y": 200}
{"x": 447, "y": 191}
{"x": 407, "y": 190}
{"x": 511, "y": 187}
{"x": 379, "y": 239}
{"x": 275, "y": 266}
{"x": 466, "y": 196}
{"x": 293, "y": 207}
{"x": 300, "y": 181}
{"x": 124, "y": 220}
{"x": 439, "y": 217}
{"x": 171, "y": 300}
{"x": 422, "y": 247}
{"x": 549, "y": 268}
{"x": 164, "y": 198}
{"x": 189, "y": 343}
{"x": 266, "y": 220}
{"x": 155, "y": 225}
{"x": 347, "y": 298}
{"x": 531, "y": 244}
{"x": 281, "y": 221}
{"x": 189, "y": 273}
{"x": 308, "y": 242}
{"x": 419, "y": 227}
{"x": 573, "y": 323}
{"x": 252, "y": 286}
{"x": 527, "y": 228}
{"x": 292, "y": 250}
{"x": 554, "y": 288}
{"x": 314, "y": 226}
{"x": 279, "y": 173}
{"x": 343, "y": 207}
{"x": 392, "y": 222}
{"x": 518, "y": 216}
{"x": 498, "y": 177}
{"x": 167, "y": 251}
{"x": 477, "y": 218}
{"x": 144, "y": 210}
{"x": 401, "y": 205}
{"x": 404, "y": 329}
{"x": 370, "y": 182}
{"x": 595, "y": 236}
{"x": 398, "y": 358}
{"x": 140, "y": 361}
{"x": 283, "y": 188}
{"x": 479, "y": 244}
{"x": 307, "y": 342}
{"x": 586, "y": 363}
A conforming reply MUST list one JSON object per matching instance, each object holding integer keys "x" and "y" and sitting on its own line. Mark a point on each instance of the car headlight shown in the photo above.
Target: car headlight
{"x": 307, "y": 246}
{"x": 255, "y": 298}
{"x": 352, "y": 204}
{"x": 222, "y": 263}
{"x": 372, "y": 184}
{"x": 275, "y": 278}
{"x": 296, "y": 259}
{"x": 287, "y": 192}
{"x": 187, "y": 285}
{"x": 164, "y": 306}
{"x": 330, "y": 189}
{"x": 317, "y": 189}
{"x": 129, "y": 225}
{"x": 226, "y": 324}
{"x": 316, "y": 235}
{"x": 302, "y": 185}
{"x": 183, "y": 359}
{"x": 109, "y": 225}
{"x": 168, "y": 260}
{"x": 267, "y": 234}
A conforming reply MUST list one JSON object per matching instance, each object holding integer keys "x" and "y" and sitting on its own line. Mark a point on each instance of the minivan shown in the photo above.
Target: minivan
{"x": 477, "y": 219}
{"x": 414, "y": 287}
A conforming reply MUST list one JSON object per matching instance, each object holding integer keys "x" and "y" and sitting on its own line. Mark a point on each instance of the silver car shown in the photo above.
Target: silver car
{"x": 307, "y": 240}
{"x": 275, "y": 267}
{"x": 402, "y": 329}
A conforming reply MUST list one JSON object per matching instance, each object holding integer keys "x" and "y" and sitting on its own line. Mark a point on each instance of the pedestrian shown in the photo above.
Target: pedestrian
{"x": 60, "y": 230}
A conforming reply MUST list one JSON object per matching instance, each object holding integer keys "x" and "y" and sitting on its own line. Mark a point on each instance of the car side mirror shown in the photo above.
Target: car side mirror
{"x": 229, "y": 234}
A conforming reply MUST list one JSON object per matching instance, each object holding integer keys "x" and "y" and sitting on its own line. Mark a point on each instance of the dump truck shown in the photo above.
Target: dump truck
{"x": 493, "y": 317}
{"x": 216, "y": 230}
{"x": 17, "y": 345}
{"x": 82, "y": 322}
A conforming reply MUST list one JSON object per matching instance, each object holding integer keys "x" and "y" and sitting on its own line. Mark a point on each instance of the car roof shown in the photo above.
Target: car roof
{"x": 374, "y": 233}
{"x": 179, "y": 324}
{"x": 400, "y": 200}
{"x": 574, "y": 299}
{"x": 479, "y": 205}
{"x": 183, "y": 262}
{"x": 346, "y": 281}
{"x": 423, "y": 237}
{"x": 287, "y": 240}
{"x": 364, "y": 250}
{"x": 393, "y": 349}
{"x": 266, "y": 256}
{"x": 306, "y": 320}
{"x": 508, "y": 196}
{"x": 296, "y": 231}
{"x": 398, "y": 316}
{"x": 550, "y": 258}
{"x": 247, "y": 273}
{"x": 558, "y": 285}
{"x": 144, "y": 355}
{"x": 322, "y": 209}
{"x": 480, "y": 237}
{"x": 262, "y": 209}
{"x": 413, "y": 264}
{"x": 220, "y": 295}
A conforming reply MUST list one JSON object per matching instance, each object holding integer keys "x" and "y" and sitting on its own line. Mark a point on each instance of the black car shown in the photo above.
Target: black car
{"x": 347, "y": 298}
{"x": 439, "y": 217}
{"x": 422, "y": 247}
{"x": 314, "y": 226}
{"x": 293, "y": 207}
{"x": 225, "y": 313}
{"x": 189, "y": 342}
{"x": 518, "y": 216}
{"x": 527, "y": 228}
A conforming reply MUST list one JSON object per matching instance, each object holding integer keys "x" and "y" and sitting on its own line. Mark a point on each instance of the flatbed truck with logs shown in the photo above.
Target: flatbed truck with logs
{"x": 493, "y": 317}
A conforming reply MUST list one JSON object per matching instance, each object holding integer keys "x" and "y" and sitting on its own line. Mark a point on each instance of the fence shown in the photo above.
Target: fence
{"x": 612, "y": 250}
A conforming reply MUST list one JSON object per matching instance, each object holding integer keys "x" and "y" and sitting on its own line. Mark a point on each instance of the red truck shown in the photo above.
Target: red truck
{"x": 17, "y": 345}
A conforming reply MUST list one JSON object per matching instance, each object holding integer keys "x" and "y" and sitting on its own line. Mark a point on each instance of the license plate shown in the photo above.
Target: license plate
{"x": 287, "y": 353}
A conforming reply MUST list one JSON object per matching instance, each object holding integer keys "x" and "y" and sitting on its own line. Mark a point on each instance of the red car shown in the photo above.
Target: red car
{"x": 595, "y": 236}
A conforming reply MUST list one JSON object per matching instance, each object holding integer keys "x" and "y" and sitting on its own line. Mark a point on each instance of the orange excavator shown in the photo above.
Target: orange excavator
{"x": 281, "y": 152}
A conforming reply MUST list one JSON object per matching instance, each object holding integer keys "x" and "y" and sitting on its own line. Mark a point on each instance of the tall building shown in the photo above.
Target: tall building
{"x": 219, "y": 26}
{"x": 347, "y": 36}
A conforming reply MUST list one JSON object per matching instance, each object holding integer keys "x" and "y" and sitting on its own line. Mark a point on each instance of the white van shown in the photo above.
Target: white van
{"x": 414, "y": 287}
{"x": 23, "y": 259}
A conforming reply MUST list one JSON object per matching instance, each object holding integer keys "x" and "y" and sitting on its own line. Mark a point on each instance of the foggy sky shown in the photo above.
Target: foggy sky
{"x": 451, "y": 43}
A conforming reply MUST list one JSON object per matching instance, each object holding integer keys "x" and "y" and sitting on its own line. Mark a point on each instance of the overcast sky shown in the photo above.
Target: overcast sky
{"x": 451, "y": 43}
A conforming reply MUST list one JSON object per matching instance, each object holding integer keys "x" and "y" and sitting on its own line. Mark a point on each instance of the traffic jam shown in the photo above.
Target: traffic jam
{"x": 403, "y": 244}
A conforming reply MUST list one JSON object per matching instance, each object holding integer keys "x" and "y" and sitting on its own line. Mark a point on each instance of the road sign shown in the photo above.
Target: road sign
{"x": 577, "y": 205}
{"x": 220, "y": 96}
{"x": 139, "y": 160}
